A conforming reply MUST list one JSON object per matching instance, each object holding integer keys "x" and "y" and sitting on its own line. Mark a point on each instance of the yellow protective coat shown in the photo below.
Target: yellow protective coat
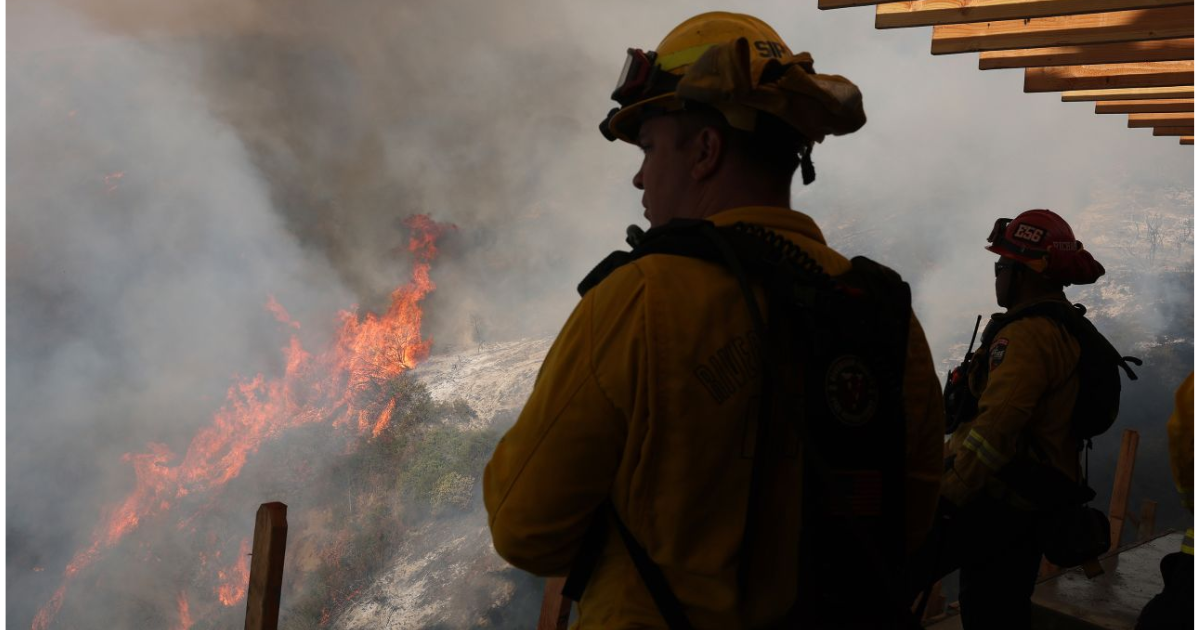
{"x": 1027, "y": 395}
{"x": 645, "y": 397}
{"x": 1180, "y": 447}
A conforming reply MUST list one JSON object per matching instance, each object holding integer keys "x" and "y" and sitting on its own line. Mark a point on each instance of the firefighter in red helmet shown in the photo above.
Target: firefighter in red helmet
{"x": 1039, "y": 387}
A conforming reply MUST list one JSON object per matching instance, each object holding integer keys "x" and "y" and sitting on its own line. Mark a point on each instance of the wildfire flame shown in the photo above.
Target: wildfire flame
{"x": 236, "y": 579}
{"x": 185, "y": 618}
{"x": 320, "y": 387}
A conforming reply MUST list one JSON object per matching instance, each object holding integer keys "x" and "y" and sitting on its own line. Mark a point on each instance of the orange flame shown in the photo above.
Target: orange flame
{"x": 185, "y": 618}
{"x": 384, "y": 418}
{"x": 235, "y": 580}
{"x": 324, "y": 387}
{"x": 281, "y": 313}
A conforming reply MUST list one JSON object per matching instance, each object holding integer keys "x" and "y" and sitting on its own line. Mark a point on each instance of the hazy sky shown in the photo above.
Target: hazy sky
{"x": 172, "y": 165}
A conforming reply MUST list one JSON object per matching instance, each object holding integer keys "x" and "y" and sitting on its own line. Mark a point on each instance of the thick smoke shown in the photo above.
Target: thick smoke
{"x": 172, "y": 165}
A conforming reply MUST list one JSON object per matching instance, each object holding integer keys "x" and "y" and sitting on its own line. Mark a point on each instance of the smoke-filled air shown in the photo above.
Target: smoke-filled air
{"x": 314, "y": 252}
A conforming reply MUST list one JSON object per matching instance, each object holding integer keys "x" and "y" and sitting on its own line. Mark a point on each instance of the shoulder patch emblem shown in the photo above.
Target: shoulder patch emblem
{"x": 996, "y": 354}
{"x": 851, "y": 391}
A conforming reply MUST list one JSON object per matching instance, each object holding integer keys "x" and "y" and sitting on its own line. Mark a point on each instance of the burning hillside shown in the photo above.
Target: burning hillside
{"x": 178, "y": 516}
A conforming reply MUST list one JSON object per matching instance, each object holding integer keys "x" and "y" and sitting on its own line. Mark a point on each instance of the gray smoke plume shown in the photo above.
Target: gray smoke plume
{"x": 174, "y": 165}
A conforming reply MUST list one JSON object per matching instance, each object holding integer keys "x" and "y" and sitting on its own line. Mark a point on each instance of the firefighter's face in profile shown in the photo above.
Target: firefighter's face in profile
{"x": 1006, "y": 270}
{"x": 664, "y": 177}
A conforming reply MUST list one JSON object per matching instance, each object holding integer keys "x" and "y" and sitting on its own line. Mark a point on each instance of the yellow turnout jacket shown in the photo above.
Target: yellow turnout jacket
{"x": 645, "y": 398}
{"x": 1181, "y": 449}
{"x": 1026, "y": 384}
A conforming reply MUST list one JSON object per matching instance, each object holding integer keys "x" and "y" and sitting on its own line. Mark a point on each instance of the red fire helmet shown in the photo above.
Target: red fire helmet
{"x": 1044, "y": 242}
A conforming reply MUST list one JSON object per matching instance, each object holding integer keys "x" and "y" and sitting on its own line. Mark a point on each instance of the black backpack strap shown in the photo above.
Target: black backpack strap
{"x": 589, "y": 555}
{"x": 664, "y": 599}
{"x": 585, "y": 561}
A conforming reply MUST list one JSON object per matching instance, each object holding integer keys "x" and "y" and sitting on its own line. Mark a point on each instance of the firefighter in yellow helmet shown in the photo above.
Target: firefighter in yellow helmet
{"x": 1172, "y": 609}
{"x": 666, "y": 454}
{"x": 1021, "y": 409}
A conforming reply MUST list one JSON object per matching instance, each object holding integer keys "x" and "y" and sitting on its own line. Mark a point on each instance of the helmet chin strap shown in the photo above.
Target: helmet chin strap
{"x": 807, "y": 172}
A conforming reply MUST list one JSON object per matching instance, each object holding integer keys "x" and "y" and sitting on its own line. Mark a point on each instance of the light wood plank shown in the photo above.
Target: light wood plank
{"x": 1174, "y": 131}
{"x": 1102, "y": 76}
{"x": 1152, "y": 106}
{"x": 825, "y": 5}
{"x": 1124, "y": 52}
{"x": 1160, "y": 120}
{"x": 1187, "y": 140}
{"x": 934, "y": 12}
{"x": 1180, "y": 91}
{"x": 1090, "y": 28}
{"x": 1118, "y": 503}
{"x": 556, "y": 609}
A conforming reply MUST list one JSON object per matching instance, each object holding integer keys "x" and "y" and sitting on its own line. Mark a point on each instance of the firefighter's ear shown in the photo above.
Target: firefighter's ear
{"x": 707, "y": 151}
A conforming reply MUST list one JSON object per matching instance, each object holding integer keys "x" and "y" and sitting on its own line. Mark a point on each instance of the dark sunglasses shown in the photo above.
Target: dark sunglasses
{"x": 1001, "y": 265}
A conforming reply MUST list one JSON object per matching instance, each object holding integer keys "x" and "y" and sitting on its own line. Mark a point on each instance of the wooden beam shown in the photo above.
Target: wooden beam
{"x": 937, "y": 602}
{"x": 1124, "y": 52}
{"x": 1104, "y": 76}
{"x": 1073, "y": 30}
{"x": 1151, "y": 106}
{"x": 556, "y": 609}
{"x": 1137, "y": 121}
{"x": 934, "y": 12}
{"x": 1187, "y": 140}
{"x": 1129, "y": 94}
{"x": 1174, "y": 131}
{"x": 266, "y": 567}
{"x": 1119, "y": 502}
{"x": 1146, "y": 520}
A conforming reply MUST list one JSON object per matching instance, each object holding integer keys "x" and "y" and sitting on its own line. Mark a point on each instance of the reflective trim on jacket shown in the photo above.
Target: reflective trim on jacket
{"x": 1026, "y": 384}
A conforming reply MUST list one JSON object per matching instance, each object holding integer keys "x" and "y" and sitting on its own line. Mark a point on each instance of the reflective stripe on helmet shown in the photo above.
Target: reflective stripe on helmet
{"x": 683, "y": 57}
{"x": 986, "y": 453}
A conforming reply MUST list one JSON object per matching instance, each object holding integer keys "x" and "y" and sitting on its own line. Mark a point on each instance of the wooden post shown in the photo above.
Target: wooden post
{"x": 1119, "y": 503}
{"x": 556, "y": 609}
{"x": 936, "y": 604}
{"x": 1046, "y": 569}
{"x": 1146, "y": 521}
{"x": 266, "y": 567}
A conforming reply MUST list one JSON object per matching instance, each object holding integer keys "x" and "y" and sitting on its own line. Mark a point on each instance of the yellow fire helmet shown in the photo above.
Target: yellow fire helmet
{"x": 739, "y": 65}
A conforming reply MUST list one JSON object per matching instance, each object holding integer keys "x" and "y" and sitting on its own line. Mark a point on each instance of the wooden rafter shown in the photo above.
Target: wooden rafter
{"x": 1180, "y": 91}
{"x": 1161, "y": 120}
{"x": 1153, "y": 106}
{"x": 1188, "y": 140}
{"x": 1174, "y": 131}
{"x": 935, "y": 12}
{"x": 1124, "y": 52}
{"x": 1090, "y": 28}
{"x": 1105, "y": 76}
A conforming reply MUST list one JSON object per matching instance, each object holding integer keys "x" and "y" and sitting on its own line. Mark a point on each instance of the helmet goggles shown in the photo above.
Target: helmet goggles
{"x": 641, "y": 78}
